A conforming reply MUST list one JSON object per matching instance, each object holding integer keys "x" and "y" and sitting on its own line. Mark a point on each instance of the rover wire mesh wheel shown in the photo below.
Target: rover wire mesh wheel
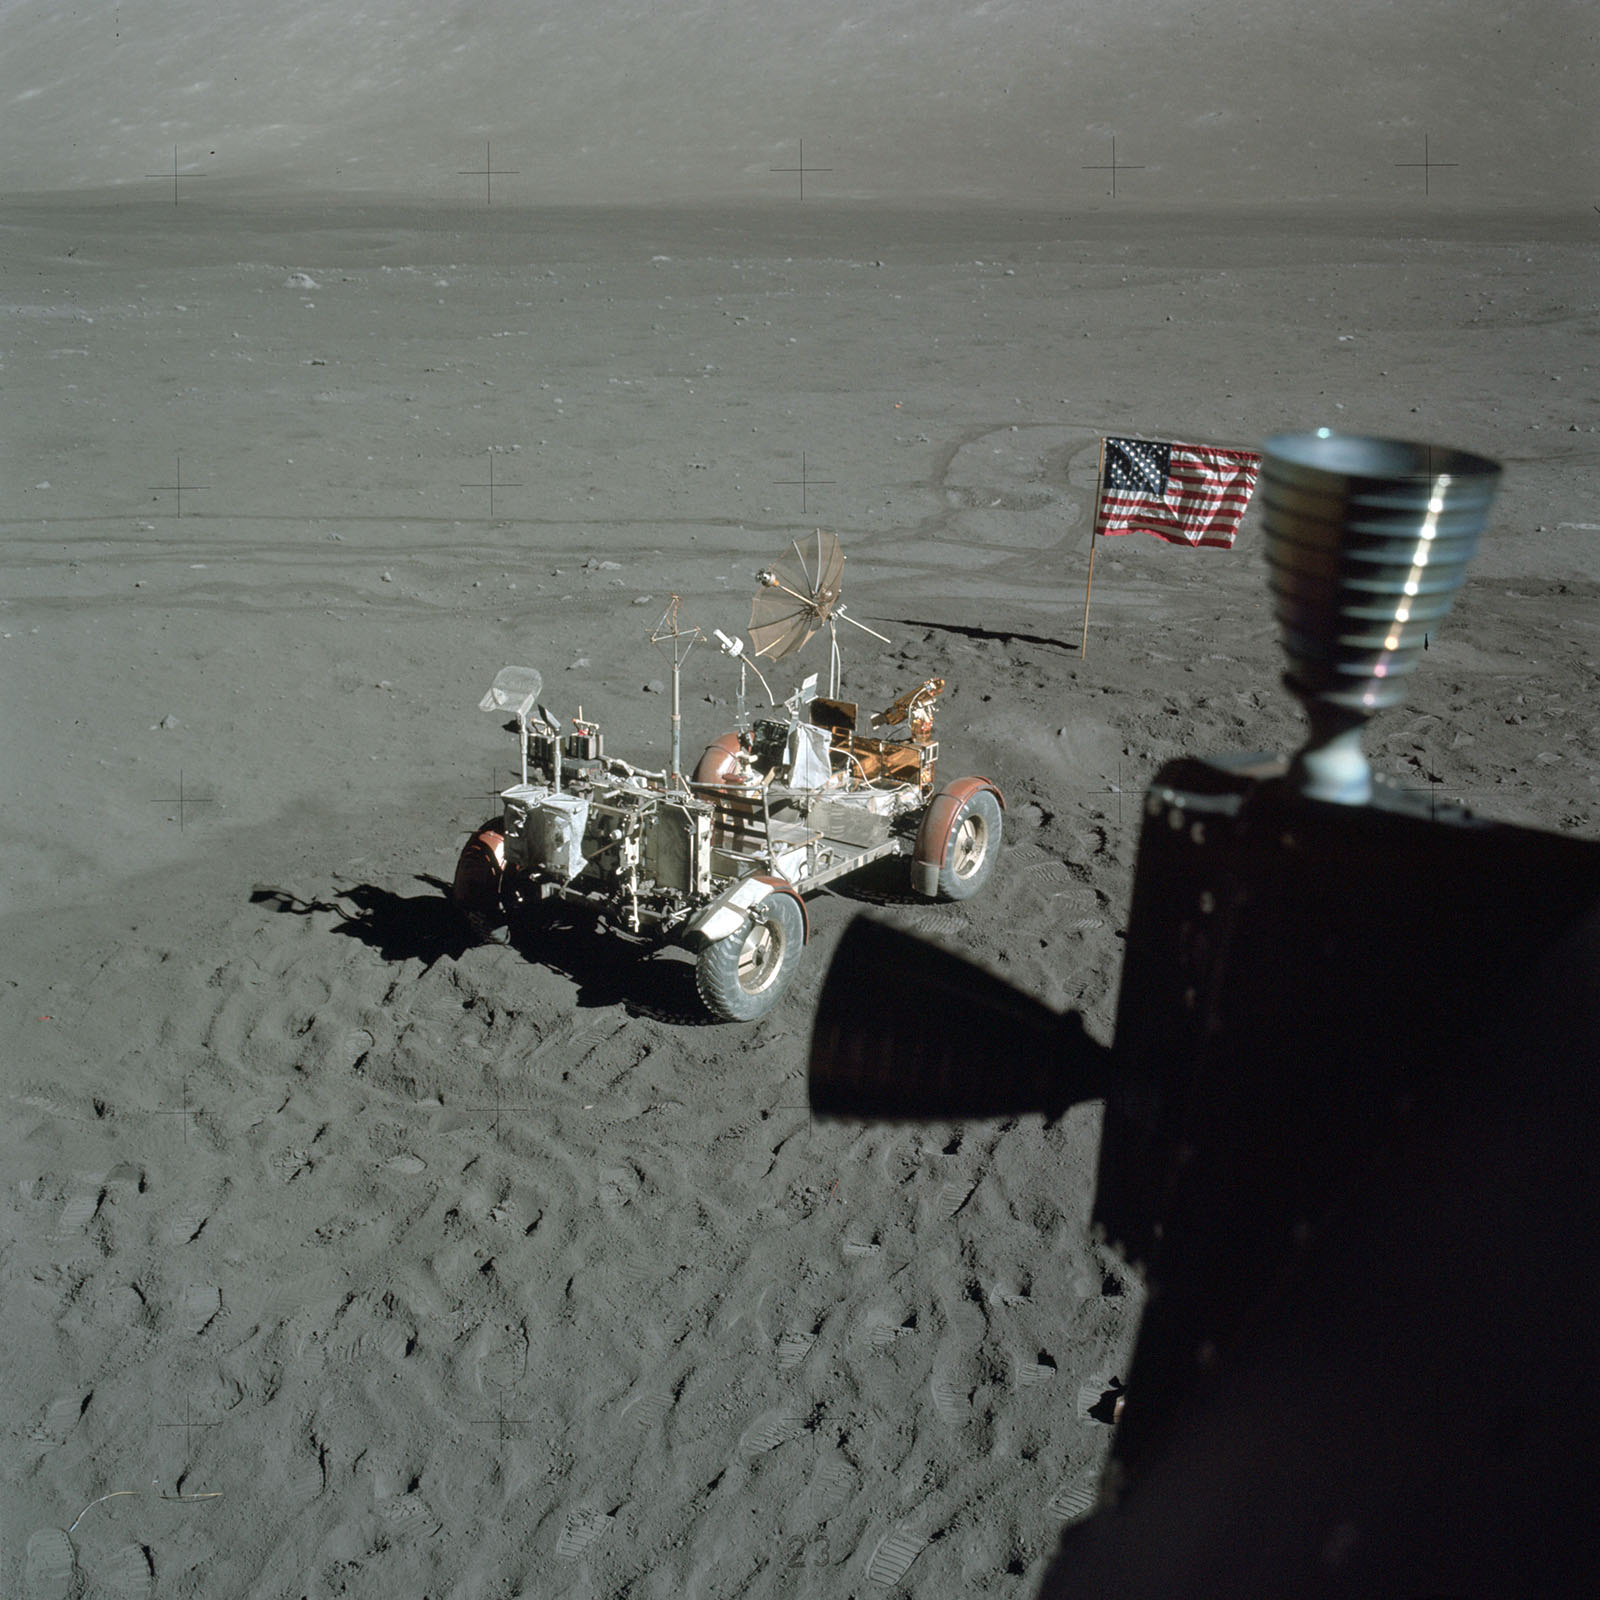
{"x": 742, "y": 976}
{"x": 974, "y": 846}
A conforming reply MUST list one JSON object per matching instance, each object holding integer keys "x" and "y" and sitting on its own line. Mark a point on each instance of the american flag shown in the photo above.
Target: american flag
{"x": 1183, "y": 493}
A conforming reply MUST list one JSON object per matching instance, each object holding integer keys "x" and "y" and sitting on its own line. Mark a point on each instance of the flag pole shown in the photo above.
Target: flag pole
{"x": 1100, "y": 472}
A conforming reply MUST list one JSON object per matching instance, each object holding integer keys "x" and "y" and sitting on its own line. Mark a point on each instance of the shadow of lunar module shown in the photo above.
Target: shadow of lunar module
{"x": 1350, "y": 1110}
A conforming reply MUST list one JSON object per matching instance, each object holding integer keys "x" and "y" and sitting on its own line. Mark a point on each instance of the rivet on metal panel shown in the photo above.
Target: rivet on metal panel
{"x": 1197, "y": 832}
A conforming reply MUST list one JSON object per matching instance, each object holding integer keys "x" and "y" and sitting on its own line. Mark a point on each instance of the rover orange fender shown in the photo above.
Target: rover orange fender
{"x": 783, "y": 886}
{"x": 728, "y": 912}
{"x": 938, "y": 823}
{"x": 480, "y": 870}
{"x": 720, "y": 763}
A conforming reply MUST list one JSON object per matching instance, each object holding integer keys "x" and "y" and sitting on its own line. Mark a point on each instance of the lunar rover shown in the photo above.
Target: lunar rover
{"x": 721, "y": 861}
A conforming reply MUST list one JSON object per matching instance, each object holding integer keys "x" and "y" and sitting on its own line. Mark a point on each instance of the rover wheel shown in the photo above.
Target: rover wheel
{"x": 742, "y": 976}
{"x": 974, "y": 846}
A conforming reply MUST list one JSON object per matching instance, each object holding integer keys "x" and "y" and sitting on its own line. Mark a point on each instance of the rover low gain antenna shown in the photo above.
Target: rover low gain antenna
{"x": 798, "y": 594}
{"x": 675, "y": 642}
{"x": 734, "y": 647}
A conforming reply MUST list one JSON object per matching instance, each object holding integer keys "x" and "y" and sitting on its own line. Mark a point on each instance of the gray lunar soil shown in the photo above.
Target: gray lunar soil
{"x": 468, "y": 1273}
{"x": 340, "y": 1259}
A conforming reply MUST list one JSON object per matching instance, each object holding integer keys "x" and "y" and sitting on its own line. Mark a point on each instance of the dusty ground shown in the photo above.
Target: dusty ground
{"x": 473, "y": 1275}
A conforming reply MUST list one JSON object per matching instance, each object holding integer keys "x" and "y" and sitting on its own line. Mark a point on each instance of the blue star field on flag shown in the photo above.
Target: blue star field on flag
{"x": 1138, "y": 464}
{"x": 1183, "y": 493}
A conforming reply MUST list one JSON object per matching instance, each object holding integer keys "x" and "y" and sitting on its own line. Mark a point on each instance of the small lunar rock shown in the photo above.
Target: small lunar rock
{"x": 167, "y": 723}
{"x": 655, "y": 686}
{"x": 301, "y": 280}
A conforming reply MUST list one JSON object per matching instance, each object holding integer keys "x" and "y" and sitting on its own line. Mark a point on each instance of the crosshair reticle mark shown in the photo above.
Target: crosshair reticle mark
{"x": 1113, "y": 167}
{"x": 791, "y": 1105}
{"x": 183, "y": 799}
{"x": 175, "y": 175}
{"x": 802, "y": 169}
{"x": 804, "y": 481}
{"x": 188, "y": 1425}
{"x": 1118, "y": 789}
{"x": 488, "y": 172}
{"x": 800, "y": 1105}
{"x": 498, "y": 1107}
{"x": 1437, "y": 789}
{"x": 500, "y": 1422}
{"x": 493, "y": 483}
{"x": 178, "y": 485}
{"x": 183, "y": 1112}
{"x": 495, "y": 793}
{"x": 1426, "y": 164}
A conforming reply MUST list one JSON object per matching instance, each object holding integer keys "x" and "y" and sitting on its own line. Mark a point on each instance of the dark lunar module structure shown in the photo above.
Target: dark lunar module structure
{"x": 1352, "y": 1120}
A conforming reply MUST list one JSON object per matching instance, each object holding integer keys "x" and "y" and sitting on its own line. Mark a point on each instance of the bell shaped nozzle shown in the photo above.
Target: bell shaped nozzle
{"x": 906, "y": 1031}
{"x": 1367, "y": 541}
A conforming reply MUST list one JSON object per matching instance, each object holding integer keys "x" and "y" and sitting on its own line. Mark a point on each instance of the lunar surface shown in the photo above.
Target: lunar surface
{"x": 341, "y": 1258}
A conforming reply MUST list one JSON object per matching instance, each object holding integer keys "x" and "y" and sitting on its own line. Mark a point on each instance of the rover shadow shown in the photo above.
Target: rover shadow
{"x": 607, "y": 969}
{"x": 885, "y": 882}
{"x": 399, "y": 927}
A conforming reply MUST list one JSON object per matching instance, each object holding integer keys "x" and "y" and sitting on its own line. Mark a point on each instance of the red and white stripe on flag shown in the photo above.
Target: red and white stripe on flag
{"x": 1183, "y": 493}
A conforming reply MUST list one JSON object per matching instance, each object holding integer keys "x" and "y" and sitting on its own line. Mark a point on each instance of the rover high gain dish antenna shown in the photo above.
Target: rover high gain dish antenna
{"x": 799, "y": 593}
{"x": 675, "y": 642}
